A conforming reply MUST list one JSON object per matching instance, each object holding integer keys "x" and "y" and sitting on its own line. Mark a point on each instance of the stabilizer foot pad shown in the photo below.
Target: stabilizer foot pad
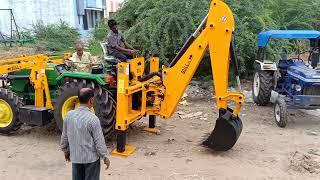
{"x": 151, "y": 130}
{"x": 129, "y": 150}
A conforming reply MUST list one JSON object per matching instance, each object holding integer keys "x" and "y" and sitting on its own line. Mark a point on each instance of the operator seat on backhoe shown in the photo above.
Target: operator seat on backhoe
{"x": 113, "y": 61}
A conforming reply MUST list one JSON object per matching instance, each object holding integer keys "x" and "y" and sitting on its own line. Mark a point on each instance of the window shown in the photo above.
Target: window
{"x": 85, "y": 22}
{"x": 92, "y": 20}
{"x": 101, "y": 15}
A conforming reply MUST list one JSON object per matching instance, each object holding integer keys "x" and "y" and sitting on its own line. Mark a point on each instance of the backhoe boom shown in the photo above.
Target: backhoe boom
{"x": 216, "y": 36}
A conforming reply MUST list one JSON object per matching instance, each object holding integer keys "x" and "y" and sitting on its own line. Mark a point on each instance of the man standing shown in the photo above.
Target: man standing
{"x": 81, "y": 60}
{"x": 117, "y": 46}
{"x": 82, "y": 139}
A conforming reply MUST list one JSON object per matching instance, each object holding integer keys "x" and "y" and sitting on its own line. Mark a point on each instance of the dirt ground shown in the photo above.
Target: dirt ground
{"x": 263, "y": 151}
{"x": 16, "y": 52}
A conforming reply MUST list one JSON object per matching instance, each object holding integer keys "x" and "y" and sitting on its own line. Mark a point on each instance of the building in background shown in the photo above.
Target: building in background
{"x": 81, "y": 14}
{"x": 112, "y": 7}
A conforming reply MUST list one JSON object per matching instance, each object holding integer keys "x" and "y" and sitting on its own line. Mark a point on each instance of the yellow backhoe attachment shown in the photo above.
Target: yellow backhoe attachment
{"x": 159, "y": 92}
{"x": 37, "y": 64}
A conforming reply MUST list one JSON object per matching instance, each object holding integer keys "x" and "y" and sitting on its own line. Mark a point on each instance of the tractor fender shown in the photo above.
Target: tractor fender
{"x": 267, "y": 65}
{"x": 99, "y": 79}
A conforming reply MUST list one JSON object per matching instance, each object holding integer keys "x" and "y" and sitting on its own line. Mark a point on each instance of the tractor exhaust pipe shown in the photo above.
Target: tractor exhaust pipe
{"x": 226, "y": 132}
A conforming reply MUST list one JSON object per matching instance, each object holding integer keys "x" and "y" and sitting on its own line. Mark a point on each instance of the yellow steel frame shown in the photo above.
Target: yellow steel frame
{"x": 154, "y": 64}
{"x": 168, "y": 90}
{"x": 37, "y": 64}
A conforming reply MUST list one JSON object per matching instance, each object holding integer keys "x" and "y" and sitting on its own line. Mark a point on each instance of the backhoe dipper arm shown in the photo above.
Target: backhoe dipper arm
{"x": 218, "y": 28}
{"x": 217, "y": 35}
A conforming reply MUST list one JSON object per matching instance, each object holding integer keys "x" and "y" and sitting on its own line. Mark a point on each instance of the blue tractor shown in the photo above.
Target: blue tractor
{"x": 295, "y": 82}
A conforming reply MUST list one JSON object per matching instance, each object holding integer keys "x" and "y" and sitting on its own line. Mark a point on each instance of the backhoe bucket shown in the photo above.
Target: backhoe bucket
{"x": 226, "y": 132}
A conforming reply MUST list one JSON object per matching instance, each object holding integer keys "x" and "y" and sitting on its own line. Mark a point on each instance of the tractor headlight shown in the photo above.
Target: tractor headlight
{"x": 298, "y": 88}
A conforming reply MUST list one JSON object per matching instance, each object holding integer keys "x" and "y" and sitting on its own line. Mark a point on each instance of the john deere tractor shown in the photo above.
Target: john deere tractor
{"x": 37, "y": 89}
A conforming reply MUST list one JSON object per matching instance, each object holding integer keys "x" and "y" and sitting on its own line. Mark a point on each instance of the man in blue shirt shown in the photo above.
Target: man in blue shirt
{"x": 117, "y": 46}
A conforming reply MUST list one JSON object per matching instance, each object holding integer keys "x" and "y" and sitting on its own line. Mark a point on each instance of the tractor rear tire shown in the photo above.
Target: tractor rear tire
{"x": 104, "y": 104}
{"x": 262, "y": 86}
{"x": 280, "y": 112}
{"x": 11, "y": 104}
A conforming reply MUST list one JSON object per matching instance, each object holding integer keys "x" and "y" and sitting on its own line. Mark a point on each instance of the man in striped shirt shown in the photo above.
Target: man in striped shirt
{"x": 82, "y": 139}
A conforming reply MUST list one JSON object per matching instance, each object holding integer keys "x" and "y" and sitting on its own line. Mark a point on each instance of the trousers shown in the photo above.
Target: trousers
{"x": 123, "y": 56}
{"x": 90, "y": 171}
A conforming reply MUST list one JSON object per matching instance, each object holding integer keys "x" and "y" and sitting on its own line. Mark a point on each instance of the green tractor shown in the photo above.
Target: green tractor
{"x": 17, "y": 94}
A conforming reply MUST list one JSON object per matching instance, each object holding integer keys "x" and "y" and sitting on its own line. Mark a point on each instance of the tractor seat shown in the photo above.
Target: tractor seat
{"x": 109, "y": 59}
{"x": 283, "y": 65}
{"x": 284, "y": 56}
{"x": 315, "y": 59}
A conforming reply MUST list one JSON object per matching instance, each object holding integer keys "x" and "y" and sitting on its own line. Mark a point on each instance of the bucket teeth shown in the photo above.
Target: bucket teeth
{"x": 226, "y": 132}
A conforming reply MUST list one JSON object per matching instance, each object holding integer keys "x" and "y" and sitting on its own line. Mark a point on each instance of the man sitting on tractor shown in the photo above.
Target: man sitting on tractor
{"x": 117, "y": 46}
{"x": 81, "y": 61}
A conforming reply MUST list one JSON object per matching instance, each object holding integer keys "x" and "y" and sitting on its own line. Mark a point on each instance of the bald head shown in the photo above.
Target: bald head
{"x": 85, "y": 94}
{"x": 79, "y": 49}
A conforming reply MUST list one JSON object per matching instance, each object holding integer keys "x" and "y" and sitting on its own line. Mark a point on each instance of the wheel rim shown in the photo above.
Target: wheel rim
{"x": 256, "y": 84}
{"x": 70, "y": 104}
{"x": 277, "y": 112}
{"x": 6, "y": 114}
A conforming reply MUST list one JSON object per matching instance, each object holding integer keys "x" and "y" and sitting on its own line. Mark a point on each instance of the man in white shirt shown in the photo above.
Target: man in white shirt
{"x": 81, "y": 60}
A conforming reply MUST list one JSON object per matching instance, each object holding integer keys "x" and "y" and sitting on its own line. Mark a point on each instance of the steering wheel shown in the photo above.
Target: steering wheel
{"x": 297, "y": 59}
{"x": 63, "y": 67}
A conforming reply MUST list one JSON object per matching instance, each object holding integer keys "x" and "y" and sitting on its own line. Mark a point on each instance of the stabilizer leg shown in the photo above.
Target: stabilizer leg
{"x": 122, "y": 149}
{"x": 152, "y": 125}
{"x": 152, "y": 121}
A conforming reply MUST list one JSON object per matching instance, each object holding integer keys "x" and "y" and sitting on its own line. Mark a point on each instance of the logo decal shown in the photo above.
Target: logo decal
{"x": 186, "y": 66}
{"x": 223, "y": 18}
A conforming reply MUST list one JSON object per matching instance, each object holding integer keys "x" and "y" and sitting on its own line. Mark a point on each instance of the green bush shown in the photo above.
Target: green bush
{"x": 95, "y": 48}
{"x": 99, "y": 34}
{"x": 100, "y": 31}
{"x": 26, "y": 36}
{"x": 160, "y": 26}
{"x": 54, "y": 37}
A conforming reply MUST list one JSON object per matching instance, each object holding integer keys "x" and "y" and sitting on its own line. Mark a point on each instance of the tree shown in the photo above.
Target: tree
{"x": 294, "y": 14}
{"x": 162, "y": 26}
{"x": 251, "y": 17}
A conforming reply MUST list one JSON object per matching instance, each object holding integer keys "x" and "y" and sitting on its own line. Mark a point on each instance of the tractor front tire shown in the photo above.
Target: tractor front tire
{"x": 9, "y": 111}
{"x": 104, "y": 104}
{"x": 263, "y": 84}
{"x": 280, "y": 112}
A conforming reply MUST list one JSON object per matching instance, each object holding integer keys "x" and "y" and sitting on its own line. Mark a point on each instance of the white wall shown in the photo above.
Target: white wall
{"x": 28, "y": 12}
